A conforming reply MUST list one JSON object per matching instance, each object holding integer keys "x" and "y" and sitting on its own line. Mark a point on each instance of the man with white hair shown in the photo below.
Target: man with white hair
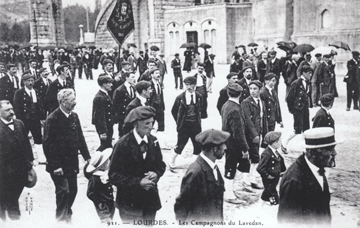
{"x": 63, "y": 138}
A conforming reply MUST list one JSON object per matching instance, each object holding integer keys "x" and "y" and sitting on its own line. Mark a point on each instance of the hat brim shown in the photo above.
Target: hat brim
{"x": 321, "y": 146}
{"x": 91, "y": 169}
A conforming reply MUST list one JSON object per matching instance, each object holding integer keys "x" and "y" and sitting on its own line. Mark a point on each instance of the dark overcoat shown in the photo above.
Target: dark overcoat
{"x": 222, "y": 98}
{"x": 201, "y": 196}
{"x": 272, "y": 106}
{"x": 323, "y": 119}
{"x": 128, "y": 168}
{"x": 302, "y": 199}
{"x": 121, "y": 99}
{"x": 51, "y": 103}
{"x": 22, "y": 106}
{"x": 246, "y": 91}
{"x": 7, "y": 90}
{"x": 103, "y": 115}
{"x": 298, "y": 99}
{"x": 40, "y": 86}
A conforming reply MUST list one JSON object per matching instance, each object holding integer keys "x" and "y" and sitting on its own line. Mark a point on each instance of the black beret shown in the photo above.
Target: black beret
{"x": 355, "y": 53}
{"x": 306, "y": 68}
{"x": 318, "y": 55}
{"x": 327, "y": 99}
{"x": 231, "y": 74}
{"x": 27, "y": 75}
{"x": 140, "y": 113}
{"x": 177, "y": 54}
{"x": 201, "y": 64}
{"x": 161, "y": 54}
{"x": 190, "y": 80}
{"x": 123, "y": 63}
{"x": 308, "y": 55}
{"x": 270, "y": 76}
{"x": 327, "y": 56}
{"x": 107, "y": 61}
{"x": 257, "y": 83}
{"x": 272, "y": 137}
{"x": 142, "y": 85}
{"x": 248, "y": 67}
{"x": 212, "y": 55}
{"x": 104, "y": 79}
{"x": 141, "y": 52}
{"x": 11, "y": 65}
{"x": 234, "y": 87}
{"x": 212, "y": 136}
{"x": 153, "y": 70}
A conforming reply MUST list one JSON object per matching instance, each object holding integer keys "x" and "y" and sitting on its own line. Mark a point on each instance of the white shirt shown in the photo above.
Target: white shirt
{"x": 11, "y": 126}
{"x": 62, "y": 82}
{"x": 128, "y": 87}
{"x": 33, "y": 94}
{"x": 143, "y": 100}
{"x": 314, "y": 169}
{"x": 46, "y": 82}
{"x": 211, "y": 164}
{"x": 304, "y": 82}
{"x": 33, "y": 71}
{"x": 66, "y": 114}
{"x": 258, "y": 101}
{"x": 247, "y": 81}
{"x": 139, "y": 140}
{"x": 270, "y": 90}
{"x": 199, "y": 80}
{"x": 236, "y": 100}
{"x": 273, "y": 150}
{"x": 104, "y": 91}
{"x": 188, "y": 97}
{"x": 156, "y": 83}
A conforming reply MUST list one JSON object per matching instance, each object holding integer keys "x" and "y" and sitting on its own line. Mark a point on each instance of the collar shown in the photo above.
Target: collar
{"x": 208, "y": 161}
{"x": 6, "y": 122}
{"x": 45, "y": 80}
{"x": 62, "y": 81}
{"x": 273, "y": 60}
{"x": 273, "y": 150}
{"x": 314, "y": 169}
{"x": 143, "y": 100}
{"x": 127, "y": 84}
{"x": 236, "y": 100}
{"x": 303, "y": 78}
{"x": 28, "y": 90}
{"x": 270, "y": 90}
{"x": 66, "y": 114}
{"x": 355, "y": 60}
{"x": 138, "y": 138}
{"x": 326, "y": 110}
{"x": 104, "y": 91}
{"x": 247, "y": 81}
{"x": 154, "y": 81}
{"x": 326, "y": 63}
{"x": 294, "y": 62}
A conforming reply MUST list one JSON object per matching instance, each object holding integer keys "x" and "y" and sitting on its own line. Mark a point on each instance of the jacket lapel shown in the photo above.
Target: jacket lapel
{"x": 209, "y": 175}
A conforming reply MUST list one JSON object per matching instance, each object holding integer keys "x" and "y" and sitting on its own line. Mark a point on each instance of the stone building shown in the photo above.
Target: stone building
{"x": 47, "y": 22}
{"x": 227, "y": 23}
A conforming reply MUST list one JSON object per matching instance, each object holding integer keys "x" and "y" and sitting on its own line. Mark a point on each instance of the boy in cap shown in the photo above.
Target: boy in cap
{"x": 176, "y": 65}
{"x": 136, "y": 167}
{"x": 151, "y": 64}
{"x": 186, "y": 111}
{"x": 99, "y": 190}
{"x": 271, "y": 166}
{"x": 323, "y": 117}
{"x": 202, "y": 187}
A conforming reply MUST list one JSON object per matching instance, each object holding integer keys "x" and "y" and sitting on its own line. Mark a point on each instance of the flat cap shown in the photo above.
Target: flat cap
{"x": 31, "y": 60}
{"x": 257, "y": 83}
{"x": 11, "y": 65}
{"x": 190, "y": 80}
{"x": 355, "y": 53}
{"x": 42, "y": 69}
{"x": 65, "y": 63}
{"x": 272, "y": 137}
{"x": 142, "y": 85}
{"x": 140, "y": 113}
{"x": 161, "y": 54}
{"x": 212, "y": 136}
{"x": 177, "y": 54}
{"x": 27, "y": 75}
{"x": 231, "y": 74}
{"x": 327, "y": 99}
{"x": 107, "y": 61}
{"x": 306, "y": 68}
{"x": 318, "y": 55}
{"x": 153, "y": 70}
{"x": 248, "y": 67}
{"x": 212, "y": 55}
{"x": 123, "y": 63}
{"x": 104, "y": 79}
{"x": 270, "y": 76}
{"x": 327, "y": 56}
{"x": 234, "y": 87}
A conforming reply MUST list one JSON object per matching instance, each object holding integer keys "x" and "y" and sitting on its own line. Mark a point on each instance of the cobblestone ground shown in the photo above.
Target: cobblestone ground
{"x": 38, "y": 203}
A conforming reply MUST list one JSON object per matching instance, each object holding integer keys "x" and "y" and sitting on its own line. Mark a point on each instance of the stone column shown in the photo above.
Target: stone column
{"x": 81, "y": 34}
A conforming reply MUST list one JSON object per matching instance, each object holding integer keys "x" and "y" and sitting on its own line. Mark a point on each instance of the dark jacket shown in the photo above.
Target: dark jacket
{"x": 63, "y": 138}
{"x": 209, "y": 68}
{"x": 273, "y": 67}
{"x": 353, "y": 72}
{"x": 261, "y": 67}
{"x": 141, "y": 62}
{"x": 179, "y": 109}
{"x": 253, "y": 126}
{"x": 22, "y": 106}
{"x": 15, "y": 152}
{"x": 201, "y": 196}
{"x": 270, "y": 165}
{"x": 222, "y": 99}
{"x": 51, "y": 103}
{"x": 153, "y": 94}
{"x": 121, "y": 100}
{"x": 103, "y": 115}
{"x": 302, "y": 200}
{"x": 324, "y": 74}
{"x": 246, "y": 92}
{"x": 233, "y": 121}
{"x": 323, "y": 119}
{"x": 99, "y": 192}
{"x": 272, "y": 106}
{"x": 128, "y": 167}
{"x": 176, "y": 65}
{"x": 40, "y": 86}
{"x": 297, "y": 98}
{"x": 291, "y": 75}
{"x": 7, "y": 90}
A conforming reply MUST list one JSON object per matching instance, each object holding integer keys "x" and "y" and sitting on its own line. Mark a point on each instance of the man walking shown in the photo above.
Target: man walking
{"x": 352, "y": 85}
{"x": 210, "y": 72}
{"x": 176, "y": 65}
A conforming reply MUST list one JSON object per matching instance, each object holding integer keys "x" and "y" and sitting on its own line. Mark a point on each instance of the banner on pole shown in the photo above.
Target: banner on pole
{"x": 121, "y": 21}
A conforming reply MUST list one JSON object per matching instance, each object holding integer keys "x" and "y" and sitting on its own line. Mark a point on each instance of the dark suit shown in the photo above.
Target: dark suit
{"x": 254, "y": 125}
{"x": 141, "y": 62}
{"x": 270, "y": 165}
{"x": 15, "y": 162}
{"x": 63, "y": 138}
{"x": 325, "y": 76}
{"x": 323, "y": 119}
{"x": 40, "y": 86}
{"x": 352, "y": 84}
{"x": 272, "y": 106}
{"x": 127, "y": 168}
{"x": 7, "y": 89}
{"x": 298, "y": 101}
{"x": 246, "y": 92}
{"x": 201, "y": 195}
{"x": 176, "y": 65}
{"x": 302, "y": 200}
{"x": 203, "y": 91}
{"x": 187, "y": 129}
{"x": 121, "y": 100}
{"x": 29, "y": 113}
{"x": 261, "y": 66}
{"x": 222, "y": 99}
{"x": 103, "y": 117}
{"x": 51, "y": 103}
{"x": 233, "y": 121}
{"x": 157, "y": 101}
{"x": 274, "y": 67}
{"x": 209, "y": 68}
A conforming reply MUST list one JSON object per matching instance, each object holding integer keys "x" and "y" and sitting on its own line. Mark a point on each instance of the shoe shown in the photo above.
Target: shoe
{"x": 283, "y": 149}
{"x": 347, "y": 109}
{"x": 256, "y": 186}
{"x": 356, "y": 108}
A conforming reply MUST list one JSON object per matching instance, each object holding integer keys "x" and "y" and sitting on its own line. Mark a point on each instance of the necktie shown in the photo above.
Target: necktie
{"x": 322, "y": 173}
{"x": 143, "y": 147}
{"x": 31, "y": 96}
{"x": 216, "y": 169}
{"x": 258, "y": 102}
{"x": 131, "y": 92}
{"x": 158, "y": 88}
{"x": 192, "y": 99}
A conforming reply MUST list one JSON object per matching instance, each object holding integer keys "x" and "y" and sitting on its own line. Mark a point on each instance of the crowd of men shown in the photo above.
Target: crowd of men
{"x": 249, "y": 108}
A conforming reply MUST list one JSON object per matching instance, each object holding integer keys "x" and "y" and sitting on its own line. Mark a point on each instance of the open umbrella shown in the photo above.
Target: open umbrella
{"x": 154, "y": 48}
{"x": 188, "y": 45}
{"x": 340, "y": 44}
{"x": 92, "y": 47}
{"x": 253, "y": 45}
{"x": 205, "y": 45}
{"x": 303, "y": 48}
{"x": 131, "y": 45}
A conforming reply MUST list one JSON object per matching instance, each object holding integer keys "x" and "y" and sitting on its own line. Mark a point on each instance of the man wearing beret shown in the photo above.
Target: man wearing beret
{"x": 232, "y": 78}
{"x": 351, "y": 79}
{"x": 201, "y": 87}
{"x": 271, "y": 101}
{"x": 323, "y": 117}
{"x": 103, "y": 115}
{"x": 255, "y": 115}
{"x": 176, "y": 66}
{"x": 28, "y": 108}
{"x": 51, "y": 103}
{"x": 136, "y": 167}
{"x": 151, "y": 64}
{"x": 157, "y": 99}
{"x": 245, "y": 81}
{"x": 233, "y": 121}
{"x": 304, "y": 190}
{"x": 202, "y": 188}
{"x": 9, "y": 84}
{"x": 16, "y": 159}
{"x": 298, "y": 101}
{"x": 186, "y": 111}
{"x": 122, "y": 98}
{"x": 273, "y": 66}
{"x": 42, "y": 84}
{"x": 325, "y": 76}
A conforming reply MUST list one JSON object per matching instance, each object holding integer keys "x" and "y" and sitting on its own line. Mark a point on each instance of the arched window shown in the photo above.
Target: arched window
{"x": 325, "y": 19}
{"x": 213, "y": 40}
{"x": 206, "y": 36}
